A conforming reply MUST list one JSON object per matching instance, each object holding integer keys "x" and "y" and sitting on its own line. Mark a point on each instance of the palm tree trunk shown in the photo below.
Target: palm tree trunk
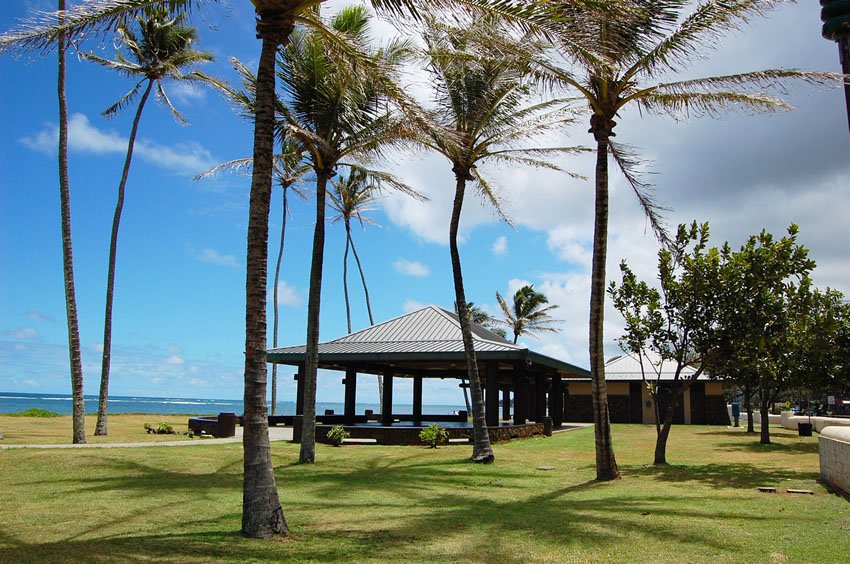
{"x": 368, "y": 305}
{"x": 345, "y": 274}
{"x": 103, "y": 401}
{"x": 262, "y": 515}
{"x": 481, "y": 450}
{"x": 276, "y": 308}
{"x": 307, "y": 454}
{"x": 606, "y": 464}
{"x": 74, "y": 354}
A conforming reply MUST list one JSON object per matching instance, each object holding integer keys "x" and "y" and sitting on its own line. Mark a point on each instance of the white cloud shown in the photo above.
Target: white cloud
{"x": 211, "y": 256}
{"x": 21, "y": 334}
{"x": 174, "y": 349}
{"x": 174, "y": 360}
{"x": 411, "y": 268}
{"x": 185, "y": 92}
{"x": 411, "y": 305}
{"x": 83, "y": 137}
{"x": 31, "y": 383}
{"x": 500, "y": 246}
{"x": 39, "y": 316}
{"x": 288, "y": 295}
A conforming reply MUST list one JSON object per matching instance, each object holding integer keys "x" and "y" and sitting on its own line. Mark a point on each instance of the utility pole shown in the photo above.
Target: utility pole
{"x": 835, "y": 15}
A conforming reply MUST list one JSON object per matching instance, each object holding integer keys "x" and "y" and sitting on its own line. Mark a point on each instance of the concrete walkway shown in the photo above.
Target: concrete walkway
{"x": 275, "y": 434}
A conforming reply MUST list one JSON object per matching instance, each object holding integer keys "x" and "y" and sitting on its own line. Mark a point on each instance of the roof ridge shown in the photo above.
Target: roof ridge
{"x": 375, "y": 326}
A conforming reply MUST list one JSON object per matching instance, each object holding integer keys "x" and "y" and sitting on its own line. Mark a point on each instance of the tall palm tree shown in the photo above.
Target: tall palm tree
{"x": 160, "y": 48}
{"x": 262, "y": 515}
{"x": 352, "y": 197}
{"x": 480, "y": 117}
{"x": 336, "y": 114}
{"x": 619, "y": 53}
{"x": 75, "y": 355}
{"x": 527, "y": 314}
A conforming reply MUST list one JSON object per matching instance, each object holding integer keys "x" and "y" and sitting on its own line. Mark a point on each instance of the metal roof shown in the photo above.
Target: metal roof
{"x": 430, "y": 334}
{"x": 627, "y": 368}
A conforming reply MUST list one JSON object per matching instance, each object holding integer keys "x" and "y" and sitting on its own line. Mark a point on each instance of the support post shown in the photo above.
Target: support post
{"x": 540, "y": 400}
{"x": 299, "y": 390}
{"x": 387, "y": 408}
{"x": 350, "y": 382}
{"x": 506, "y": 404}
{"x": 491, "y": 399}
{"x": 557, "y": 412}
{"x": 519, "y": 396}
{"x": 417, "y": 400}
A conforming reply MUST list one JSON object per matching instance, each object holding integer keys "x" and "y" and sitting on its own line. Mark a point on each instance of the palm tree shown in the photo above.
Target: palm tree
{"x": 160, "y": 49}
{"x": 75, "y": 355}
{"x": 479, "y": 317}
{"x": 619, "y": 52}
{"x": 480, "y": 117}
{"x": 526, "y": 315}
{"x": 335, "y": 114}
{"x": 262, "y": 515}
{"x": 352, "y": 197}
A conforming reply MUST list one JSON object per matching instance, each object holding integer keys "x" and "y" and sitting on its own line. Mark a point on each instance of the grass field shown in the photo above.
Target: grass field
{"x": 409, "y": 504}
{"x": 57, "y": 430}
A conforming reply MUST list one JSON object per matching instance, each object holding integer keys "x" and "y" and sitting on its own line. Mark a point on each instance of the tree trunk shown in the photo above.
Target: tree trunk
{"x": 345, "y": 274}
{"x": 481, "y": 450}
{"x": 663, "y": 433}
{"x": 308, "y": 435}
{"x": 765, "y": 420}
{"x": 748, "y": 406}
{"x": 276, "y": 309}
{"x": 606, "y": 464}
{"x": 103, "y": 400}
{"x": 74, "y": 354}
{"x": 368, "y": 307}
{"x": 262, "y": 515}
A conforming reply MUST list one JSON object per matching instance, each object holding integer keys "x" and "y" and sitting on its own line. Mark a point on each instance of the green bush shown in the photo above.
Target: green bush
{"x": 337, "y": 434}
{"x": 434, "y": 435}
{"x": 160, "y": 429}
{"x": 35, "y": 412}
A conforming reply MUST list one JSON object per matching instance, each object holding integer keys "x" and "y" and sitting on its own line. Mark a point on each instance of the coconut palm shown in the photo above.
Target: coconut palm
{"x": 159, "y": 48}
{"x": 480, "y": 116}
{"x": 620, "y": 53}
{"x": 336, "y": 115}
{"x": 262, "y": 515}
{"x": 527, "y": 314}
{"x": 352, "y": 197}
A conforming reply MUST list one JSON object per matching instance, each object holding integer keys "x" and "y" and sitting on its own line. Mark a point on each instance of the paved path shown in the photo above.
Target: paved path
{"x": 275, "y": 434}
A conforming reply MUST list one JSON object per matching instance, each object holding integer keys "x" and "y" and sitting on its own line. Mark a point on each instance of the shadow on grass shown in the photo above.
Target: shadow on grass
{"x": 747, "y": 476}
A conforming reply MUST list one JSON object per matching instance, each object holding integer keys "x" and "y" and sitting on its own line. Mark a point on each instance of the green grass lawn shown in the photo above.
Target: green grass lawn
{"x": 122, "y": 428}
{"x": 401, "y": 504}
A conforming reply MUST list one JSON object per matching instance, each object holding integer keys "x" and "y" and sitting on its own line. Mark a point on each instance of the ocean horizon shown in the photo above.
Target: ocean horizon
{"x": 15, "y": 402}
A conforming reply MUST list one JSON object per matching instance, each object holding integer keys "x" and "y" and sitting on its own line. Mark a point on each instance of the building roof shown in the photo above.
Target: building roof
{"x": 625, "y": 368}
{"x": 428, "y": 335}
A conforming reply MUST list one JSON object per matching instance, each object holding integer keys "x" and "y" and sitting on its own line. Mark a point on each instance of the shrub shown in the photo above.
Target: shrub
{"x": 337, "y": 434}
{"x": 35, "y": 412}
{"x": 434, "y": 435}
{"x": 160, "y": 429}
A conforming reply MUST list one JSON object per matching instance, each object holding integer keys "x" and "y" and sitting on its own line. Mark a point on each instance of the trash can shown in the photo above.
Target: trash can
{"x": 226, "y": 425}
{"x": 804, "y": 429}
{"x": 547, "y": 426}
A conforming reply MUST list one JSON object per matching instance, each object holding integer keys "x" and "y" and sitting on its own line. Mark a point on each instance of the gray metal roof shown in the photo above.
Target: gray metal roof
{"x": 430, "y": 334}
{"x": 626, "y": 368}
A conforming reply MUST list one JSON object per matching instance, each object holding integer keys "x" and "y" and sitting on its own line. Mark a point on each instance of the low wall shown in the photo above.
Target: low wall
{"x": 789, "y": 421}
{"x": 772, "y": 419}
{"x": 834, "y": 449}
{"x": 407, "y": 435}
{"x": 823, "y": 422}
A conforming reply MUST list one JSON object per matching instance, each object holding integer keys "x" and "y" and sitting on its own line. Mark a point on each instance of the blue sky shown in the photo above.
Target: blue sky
{"x": 179, "y": 306}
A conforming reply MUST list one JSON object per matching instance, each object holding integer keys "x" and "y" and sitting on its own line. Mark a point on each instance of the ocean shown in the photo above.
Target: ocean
{"x": 15, "y": 402}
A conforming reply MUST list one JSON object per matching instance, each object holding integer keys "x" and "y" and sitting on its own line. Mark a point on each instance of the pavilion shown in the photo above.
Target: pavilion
{"x": 427, "y": 343}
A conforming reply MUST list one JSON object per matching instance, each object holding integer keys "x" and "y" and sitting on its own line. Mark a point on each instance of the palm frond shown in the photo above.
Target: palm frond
{"x": 178, "y": 117}
{"x": 125, "y": 99}
{"x": 491, "y": 195}
{"x": 628, "y": 162}
{"x": 685, "y": 104}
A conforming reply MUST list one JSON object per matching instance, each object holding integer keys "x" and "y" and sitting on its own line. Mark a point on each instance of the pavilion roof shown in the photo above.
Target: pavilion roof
{"x": 428, "y": 335}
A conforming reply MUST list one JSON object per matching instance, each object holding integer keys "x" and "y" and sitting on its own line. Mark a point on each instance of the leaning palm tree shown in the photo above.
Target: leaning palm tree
{"x": 620, "y": 53}
{"x": 159, "y": 48}
{"x": 336, "y": 114}
{"x": 262, "y": 515}
{"x": 527, "y": 314}
{"x": 352, "y": 197}
{"x": 480, "y": 116}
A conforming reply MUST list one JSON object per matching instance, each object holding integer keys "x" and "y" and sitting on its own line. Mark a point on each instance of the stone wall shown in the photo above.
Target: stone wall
{"x": 834, "y": 449}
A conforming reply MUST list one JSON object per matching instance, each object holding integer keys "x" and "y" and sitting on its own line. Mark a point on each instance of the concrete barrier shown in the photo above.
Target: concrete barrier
{"x": 823, "y": 422}
{"x": 789, "y": 421}
{"x": 772, "y": 419}
{"x": 834, "y": 450}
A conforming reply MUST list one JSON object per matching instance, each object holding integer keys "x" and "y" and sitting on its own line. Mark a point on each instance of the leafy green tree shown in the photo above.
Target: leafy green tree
{"x": 619, "y": 51}
{"x": 762, "y": 309}
{"x": 674, "y": 325}
{"x": 528, "y": 314}
{"x": 335, "y": 113}
{"x": 158, "y": 49}
{"x": 480, "y": 116}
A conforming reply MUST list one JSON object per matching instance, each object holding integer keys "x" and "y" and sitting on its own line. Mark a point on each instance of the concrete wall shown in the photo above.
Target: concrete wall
{"x": 834, "y": 449}
{"x": 789, "y": 421}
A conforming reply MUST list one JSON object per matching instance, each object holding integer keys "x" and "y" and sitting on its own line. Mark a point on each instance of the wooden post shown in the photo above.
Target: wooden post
{"x": 417, "y": 400}
{"x": 506, "y": 404}
{"x": 540, "y": 400}
{"x": 519, "y": 396}
{"x": 350, "y": 382}
{"x": 387, "y": 408}
{"x": 299, "y": 390}
{"x": 491, "y": 400}
{"x": 557, "y": 412}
